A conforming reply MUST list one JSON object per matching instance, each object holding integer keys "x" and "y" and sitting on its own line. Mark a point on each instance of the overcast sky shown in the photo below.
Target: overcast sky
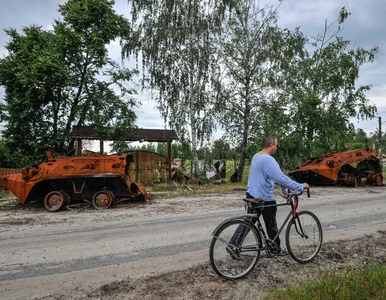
{"x": 366, "y": 27}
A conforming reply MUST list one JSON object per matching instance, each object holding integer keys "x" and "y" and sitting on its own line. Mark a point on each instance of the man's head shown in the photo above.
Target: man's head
{"x": 270, "y": 144}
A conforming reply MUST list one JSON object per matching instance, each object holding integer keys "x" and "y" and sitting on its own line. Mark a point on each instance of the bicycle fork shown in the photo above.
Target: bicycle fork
{"x": 298, "y": 225}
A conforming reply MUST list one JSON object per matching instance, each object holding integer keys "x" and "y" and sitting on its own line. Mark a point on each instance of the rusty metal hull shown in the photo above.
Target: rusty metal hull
{"x": 338, "y": 168}
{"x": 76, "y": 178}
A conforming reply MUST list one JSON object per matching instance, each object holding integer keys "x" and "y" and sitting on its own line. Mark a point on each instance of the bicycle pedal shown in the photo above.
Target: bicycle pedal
{"x": 233, "y": 253}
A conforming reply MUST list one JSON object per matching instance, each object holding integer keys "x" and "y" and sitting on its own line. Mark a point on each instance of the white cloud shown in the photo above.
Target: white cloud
{"x": 378, "y": 96}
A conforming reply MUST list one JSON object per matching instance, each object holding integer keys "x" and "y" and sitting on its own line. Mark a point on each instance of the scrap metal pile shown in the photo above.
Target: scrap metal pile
{"x": 338, "y": 168}
{"x": 98, "y": 179}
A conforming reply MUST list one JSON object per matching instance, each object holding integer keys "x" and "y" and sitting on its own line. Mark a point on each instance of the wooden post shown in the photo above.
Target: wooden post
{"x": 100, "y": 146}
{"x": 79, "y": 147}
{"x": 137, "y": 164}
{"x": 170, "y": 159}
{"x": 380, "y": 141}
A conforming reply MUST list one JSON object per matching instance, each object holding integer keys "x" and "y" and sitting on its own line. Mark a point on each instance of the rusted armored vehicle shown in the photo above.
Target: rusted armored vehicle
{"x": 98, "y": 179}
{"x": 337, "y": 168}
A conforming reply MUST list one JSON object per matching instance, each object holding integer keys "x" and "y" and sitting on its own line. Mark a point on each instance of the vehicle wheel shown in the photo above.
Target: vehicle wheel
{"x": 54, "y": 201}
{"x": 103, "y": 199}
{"x": 379, "y": 179}
{"x": 67, "y": 199}
{"x": 232, "y": 254}
{"x": 112, "y": 196}
{"x": 304, "y": 237}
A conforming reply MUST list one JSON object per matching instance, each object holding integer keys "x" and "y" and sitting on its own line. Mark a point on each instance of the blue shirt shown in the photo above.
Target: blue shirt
{"x": 264, "y": 173}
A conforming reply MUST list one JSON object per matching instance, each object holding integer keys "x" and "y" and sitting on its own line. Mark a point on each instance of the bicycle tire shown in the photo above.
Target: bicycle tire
{"x": 304, "y": 249}
{"x": 247, "y": 247}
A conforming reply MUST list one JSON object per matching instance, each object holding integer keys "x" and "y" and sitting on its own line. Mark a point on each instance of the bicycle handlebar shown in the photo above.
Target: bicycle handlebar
{"x": 295, "y": 194}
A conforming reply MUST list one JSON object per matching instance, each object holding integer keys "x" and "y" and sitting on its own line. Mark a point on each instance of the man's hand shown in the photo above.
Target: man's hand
{"x": 284, "y": 193}
{"x": 305, "y": 185}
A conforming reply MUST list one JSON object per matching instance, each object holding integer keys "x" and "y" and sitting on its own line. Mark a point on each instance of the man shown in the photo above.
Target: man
{"x": 263, "y": 174}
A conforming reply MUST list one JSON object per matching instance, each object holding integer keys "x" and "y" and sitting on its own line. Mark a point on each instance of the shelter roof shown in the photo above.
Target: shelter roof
{"x": 146, "y": 135}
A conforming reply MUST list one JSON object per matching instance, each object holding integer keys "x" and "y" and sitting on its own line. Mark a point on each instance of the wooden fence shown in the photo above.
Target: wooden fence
{"x": 148, "y": 167}
{"x": 8, "y": 171}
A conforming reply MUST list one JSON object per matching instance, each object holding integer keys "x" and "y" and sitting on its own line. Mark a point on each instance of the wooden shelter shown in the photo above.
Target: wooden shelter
{"x": 143, "y": 135}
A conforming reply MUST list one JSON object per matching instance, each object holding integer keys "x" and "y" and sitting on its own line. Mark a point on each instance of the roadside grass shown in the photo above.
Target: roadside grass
{"x": 8, "y": 199}
{"x": 5, "y": 194}
{"x": 175, "y": 189}
{"x": 367, "y": 283}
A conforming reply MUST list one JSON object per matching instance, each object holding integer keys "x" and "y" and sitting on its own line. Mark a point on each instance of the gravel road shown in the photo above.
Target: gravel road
{"x": 73, "y": 252}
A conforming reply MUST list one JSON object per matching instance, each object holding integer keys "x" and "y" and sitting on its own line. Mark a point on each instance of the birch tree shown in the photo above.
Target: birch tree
{"x": 175, "y": 43}
{"x": 248, "y": 44}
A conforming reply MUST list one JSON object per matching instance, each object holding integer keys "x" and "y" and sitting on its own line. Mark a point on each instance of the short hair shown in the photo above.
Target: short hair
{"x": 270, "y": 140}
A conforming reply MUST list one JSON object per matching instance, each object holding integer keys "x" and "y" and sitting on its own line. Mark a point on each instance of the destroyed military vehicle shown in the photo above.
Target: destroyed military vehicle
{"x": 342, "y": 168}
{"x": 95, "y": 178}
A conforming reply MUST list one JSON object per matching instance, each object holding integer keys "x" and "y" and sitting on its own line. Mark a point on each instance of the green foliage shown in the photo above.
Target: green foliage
{"x": 222, "y": 150}
{"x": 245, "y": 101}
{"x": 319, "y": 88}
{"x": 357, "y": 146}
{"x": 178, "y": 59}
{"x": 368, "y": 283}
{"x": 58, "y": 78}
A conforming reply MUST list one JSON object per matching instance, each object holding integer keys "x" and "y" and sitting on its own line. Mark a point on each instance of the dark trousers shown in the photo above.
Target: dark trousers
{"x": 269, "y": 216}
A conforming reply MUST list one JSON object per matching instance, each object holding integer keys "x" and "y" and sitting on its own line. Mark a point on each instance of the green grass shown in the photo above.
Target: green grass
{"x": 174, "y": 189}
{"x": 190, "y": 189}
{"x": 367, "y": 283}
{"x": 5, "y": 194}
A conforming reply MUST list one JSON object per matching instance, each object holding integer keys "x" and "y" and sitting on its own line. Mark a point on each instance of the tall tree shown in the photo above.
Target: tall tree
{"x": 178, "y": 56}
{"x": 247, "y": 43}
{"x": 63, "y": 77}
{"x": 320, "y": 91}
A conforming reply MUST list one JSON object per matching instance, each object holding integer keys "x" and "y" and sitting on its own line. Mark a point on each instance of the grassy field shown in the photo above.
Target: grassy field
{"x": 368, "y": 283}
{"x": 187, "y": 188}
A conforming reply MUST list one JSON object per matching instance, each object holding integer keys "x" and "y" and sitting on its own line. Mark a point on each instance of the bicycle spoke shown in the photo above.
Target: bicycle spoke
{"x": 234, "y": 250}
{"x": 304, "y": 237}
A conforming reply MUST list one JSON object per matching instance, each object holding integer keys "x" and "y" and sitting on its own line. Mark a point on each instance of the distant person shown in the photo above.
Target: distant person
{"x": 264, "y": 173}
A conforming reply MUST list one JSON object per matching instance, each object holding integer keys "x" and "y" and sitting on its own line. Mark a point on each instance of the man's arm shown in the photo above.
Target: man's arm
{"x": 281, "y": 179}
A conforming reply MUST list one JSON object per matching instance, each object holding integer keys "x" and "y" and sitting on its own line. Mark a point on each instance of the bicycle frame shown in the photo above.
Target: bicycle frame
{"x": 292, "y": 213}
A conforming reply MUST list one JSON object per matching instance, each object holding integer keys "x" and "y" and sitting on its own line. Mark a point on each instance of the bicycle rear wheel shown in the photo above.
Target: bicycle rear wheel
{"x": 235, "y": 249}
{"x": 304, "y": 237}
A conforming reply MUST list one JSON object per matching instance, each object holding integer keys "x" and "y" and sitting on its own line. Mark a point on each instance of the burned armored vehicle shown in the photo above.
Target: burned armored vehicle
{"x": 98, "y": 179}
{"x": 342, "y": 168}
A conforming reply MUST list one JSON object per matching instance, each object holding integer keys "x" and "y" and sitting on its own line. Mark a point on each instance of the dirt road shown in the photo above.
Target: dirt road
{"x": 82, "y": 253}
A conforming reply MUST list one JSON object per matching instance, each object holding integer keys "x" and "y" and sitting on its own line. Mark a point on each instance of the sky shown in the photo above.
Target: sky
{"x": 366, "y": 27}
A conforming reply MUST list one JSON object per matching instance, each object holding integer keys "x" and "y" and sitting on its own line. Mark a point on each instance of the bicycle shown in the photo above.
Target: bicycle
{"x": 237, "y": 242}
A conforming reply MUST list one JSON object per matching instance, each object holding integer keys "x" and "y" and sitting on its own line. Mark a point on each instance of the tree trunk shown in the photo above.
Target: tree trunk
{"x": 194, "y": 148}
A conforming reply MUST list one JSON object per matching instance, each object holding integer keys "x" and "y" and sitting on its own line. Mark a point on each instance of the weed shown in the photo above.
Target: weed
{"x": 367, "y": 283}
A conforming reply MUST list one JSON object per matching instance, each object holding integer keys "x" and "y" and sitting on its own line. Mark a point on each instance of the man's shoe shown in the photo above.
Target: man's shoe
{"x": 281, "y": 252}
{"x": 233, "y": 253}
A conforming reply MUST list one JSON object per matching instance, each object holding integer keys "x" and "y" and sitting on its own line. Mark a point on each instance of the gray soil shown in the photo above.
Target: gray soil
{"x": 200, "y": 282}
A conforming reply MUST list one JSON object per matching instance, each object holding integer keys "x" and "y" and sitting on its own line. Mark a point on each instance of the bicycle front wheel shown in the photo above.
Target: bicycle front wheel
{"x": 304, "y": 237}
{"x": 235, "y": 249}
